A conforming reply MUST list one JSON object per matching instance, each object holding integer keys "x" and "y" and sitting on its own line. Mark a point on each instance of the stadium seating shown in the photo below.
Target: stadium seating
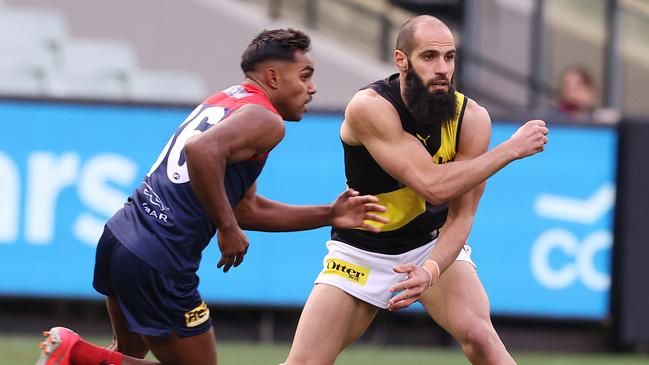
{"x": 42, "y": 59}
{"x": 167, "y": 86}
{"x": 94, "y": 68}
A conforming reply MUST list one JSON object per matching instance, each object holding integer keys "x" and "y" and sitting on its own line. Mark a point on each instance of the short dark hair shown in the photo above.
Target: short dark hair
{"x": 275, "y": 44}
{"x": 406, "y": 36}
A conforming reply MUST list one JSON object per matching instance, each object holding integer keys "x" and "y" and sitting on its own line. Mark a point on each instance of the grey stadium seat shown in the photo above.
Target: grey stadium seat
{"x": 94, "y": 68}
{"x": 167, "y": 86}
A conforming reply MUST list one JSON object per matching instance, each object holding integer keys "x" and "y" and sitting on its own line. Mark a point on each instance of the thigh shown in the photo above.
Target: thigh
{"x": 127, "y": 342}
{"x": 153, "y": 304}
{"x": 458, "y": 300}
{"x": 192, "y": 350}
{"x": 330, "y": 321}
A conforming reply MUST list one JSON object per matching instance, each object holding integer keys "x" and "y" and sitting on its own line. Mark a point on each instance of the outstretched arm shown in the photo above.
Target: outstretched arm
{"x": 372, "y": 122}
{"x": 255, "y": 212}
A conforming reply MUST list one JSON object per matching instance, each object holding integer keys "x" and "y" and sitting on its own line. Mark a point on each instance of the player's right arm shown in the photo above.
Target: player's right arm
{"x": 372, "y": 121}
{"x": 251, "y": 130}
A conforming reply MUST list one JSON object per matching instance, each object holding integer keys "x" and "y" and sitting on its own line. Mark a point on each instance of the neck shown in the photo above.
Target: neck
{"x": 250, "y": 80}
{"x": 402, "y": 87}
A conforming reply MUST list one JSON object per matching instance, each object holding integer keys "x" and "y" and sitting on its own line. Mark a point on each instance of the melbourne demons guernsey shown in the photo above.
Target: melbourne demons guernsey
{"x": 163, "y": 222}
{"x": 413, "y": 221}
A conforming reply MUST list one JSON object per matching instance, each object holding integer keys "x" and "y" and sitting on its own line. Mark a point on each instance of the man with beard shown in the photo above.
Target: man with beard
{"x": 420, "y": 147}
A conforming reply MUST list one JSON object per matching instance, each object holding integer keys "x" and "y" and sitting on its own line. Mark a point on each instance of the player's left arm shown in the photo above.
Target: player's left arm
{"x": 474, "y": 141}
{"x": 257, "y": 213}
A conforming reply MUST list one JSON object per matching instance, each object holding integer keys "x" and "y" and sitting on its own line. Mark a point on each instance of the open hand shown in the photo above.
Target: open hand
{"x": 352, "y": 210}
{"x": 411, "y": 289}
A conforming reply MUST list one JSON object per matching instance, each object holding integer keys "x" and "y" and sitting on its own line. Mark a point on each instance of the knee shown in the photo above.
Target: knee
{"x": 479, "y": 341}
{"x": 137, "y": 349}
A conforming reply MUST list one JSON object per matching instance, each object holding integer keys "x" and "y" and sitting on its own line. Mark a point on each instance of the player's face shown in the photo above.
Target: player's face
{"x": 433, "y": 58}
{"x": 296, "y": 86}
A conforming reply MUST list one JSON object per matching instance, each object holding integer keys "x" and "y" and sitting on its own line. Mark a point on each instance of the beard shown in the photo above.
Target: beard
{"x": 428, "y": 108}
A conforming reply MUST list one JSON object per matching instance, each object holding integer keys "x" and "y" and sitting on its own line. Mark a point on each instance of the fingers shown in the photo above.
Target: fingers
{"x": 404, "y": 268}
{"x": 363, "y": 199}
{"x": 239, "y": 259}
{"x": 370, "y": 227}
{"x": 221, "y": 262}
{"x": 376, "y": 218}
{"x": 405, "y": 298}
{"x": 370, "y": 207}
{"x": 400, "y": 304}
{"x": 348, "y": 194}
{"x": 228, "y": 261}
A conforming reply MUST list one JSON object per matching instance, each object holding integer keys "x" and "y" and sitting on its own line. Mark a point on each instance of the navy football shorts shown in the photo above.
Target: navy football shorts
{"x": 153, "y": 304}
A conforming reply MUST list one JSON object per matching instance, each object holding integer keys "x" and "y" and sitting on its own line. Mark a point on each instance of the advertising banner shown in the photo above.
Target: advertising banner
{"x": 541, "y": 239}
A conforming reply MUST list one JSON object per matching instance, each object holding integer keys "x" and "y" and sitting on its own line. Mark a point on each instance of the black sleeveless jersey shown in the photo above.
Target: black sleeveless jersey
{"x": 413, "y": 221}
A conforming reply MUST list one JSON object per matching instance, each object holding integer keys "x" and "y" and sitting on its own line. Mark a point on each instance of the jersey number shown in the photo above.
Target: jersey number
{"x": 177, "y": 172}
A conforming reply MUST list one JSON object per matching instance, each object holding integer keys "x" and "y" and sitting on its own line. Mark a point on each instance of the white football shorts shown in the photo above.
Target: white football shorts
{"x": 368, "y": 276}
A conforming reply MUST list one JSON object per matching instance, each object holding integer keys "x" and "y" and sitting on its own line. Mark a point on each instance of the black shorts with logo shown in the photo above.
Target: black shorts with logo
{"x": 153, "y": 304}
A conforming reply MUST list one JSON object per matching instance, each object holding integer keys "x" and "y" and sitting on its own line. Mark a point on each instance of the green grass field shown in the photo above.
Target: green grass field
{"x": 19, "y": 350}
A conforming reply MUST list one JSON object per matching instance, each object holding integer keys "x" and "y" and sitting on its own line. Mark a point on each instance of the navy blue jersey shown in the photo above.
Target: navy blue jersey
{"x": 163, "y": 222}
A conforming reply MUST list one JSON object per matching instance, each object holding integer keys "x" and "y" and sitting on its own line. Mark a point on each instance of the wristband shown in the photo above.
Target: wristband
{"x": 430, "y": 266}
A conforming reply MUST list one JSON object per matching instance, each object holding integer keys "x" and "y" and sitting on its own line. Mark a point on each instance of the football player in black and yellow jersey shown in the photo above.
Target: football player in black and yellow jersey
{"x": 421, "y": 148}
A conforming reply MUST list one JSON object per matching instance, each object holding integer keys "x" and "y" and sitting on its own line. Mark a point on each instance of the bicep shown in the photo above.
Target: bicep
{"x": 378, "y": 128}
{"x": 403, "y": 158}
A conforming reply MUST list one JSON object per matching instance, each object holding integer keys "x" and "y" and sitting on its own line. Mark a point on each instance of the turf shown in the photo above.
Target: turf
{"x": 19, "y": 350}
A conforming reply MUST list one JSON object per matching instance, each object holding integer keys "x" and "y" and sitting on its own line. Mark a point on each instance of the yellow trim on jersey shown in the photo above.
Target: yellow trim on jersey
{"x": 402, "y": 205}
{"x": 447, "y": 148}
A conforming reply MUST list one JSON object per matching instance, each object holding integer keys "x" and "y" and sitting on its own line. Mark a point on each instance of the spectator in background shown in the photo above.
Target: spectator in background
{"x": 578, "y": 98}
{"x": 577, "y": 95}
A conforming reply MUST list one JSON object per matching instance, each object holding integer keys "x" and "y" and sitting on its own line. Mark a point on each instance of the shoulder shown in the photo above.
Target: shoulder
{"x": 368, "y": 110}
{"x": 256, "y": 121}
{"x": 476, "y": 115}
{"x": 475, "y": 133}
{"x": 368, "y": 116}
{"x": 258, "y": 114}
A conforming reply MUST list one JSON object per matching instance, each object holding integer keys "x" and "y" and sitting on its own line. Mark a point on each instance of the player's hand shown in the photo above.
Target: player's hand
{"x": 233, "y": 244}
{"x": 352, "y": 210}
{"x": 410, "y": 289}
{"x": 529, "y": 139}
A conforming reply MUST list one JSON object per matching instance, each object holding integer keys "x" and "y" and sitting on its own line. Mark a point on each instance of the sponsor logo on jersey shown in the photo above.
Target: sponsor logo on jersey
{"x": 154, "y": 199}
{"x": 236, "y": 92}
{"x": 197, "y": 315}
{"x": 423, "y": 140}
{"x": 351, "y": 272}
{"x": 155, "y": 206}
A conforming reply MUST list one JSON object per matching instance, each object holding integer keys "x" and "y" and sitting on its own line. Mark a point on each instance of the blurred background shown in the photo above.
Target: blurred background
{"x": 91, "y": 90}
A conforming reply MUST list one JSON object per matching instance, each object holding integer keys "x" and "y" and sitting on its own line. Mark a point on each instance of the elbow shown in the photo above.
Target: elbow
{"x": 437, "y": 195}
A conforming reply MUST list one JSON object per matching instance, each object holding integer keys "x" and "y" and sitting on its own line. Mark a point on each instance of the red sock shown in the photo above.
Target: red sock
{"x": 88, "y": 354}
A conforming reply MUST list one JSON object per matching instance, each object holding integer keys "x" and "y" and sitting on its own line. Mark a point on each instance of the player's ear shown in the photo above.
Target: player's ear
{"x": 401, "y": 60}
{"x": 271, "y": 74}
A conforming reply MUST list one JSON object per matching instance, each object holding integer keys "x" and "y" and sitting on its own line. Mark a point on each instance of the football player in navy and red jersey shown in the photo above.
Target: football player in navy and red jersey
{"x": 203, "y": 183}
